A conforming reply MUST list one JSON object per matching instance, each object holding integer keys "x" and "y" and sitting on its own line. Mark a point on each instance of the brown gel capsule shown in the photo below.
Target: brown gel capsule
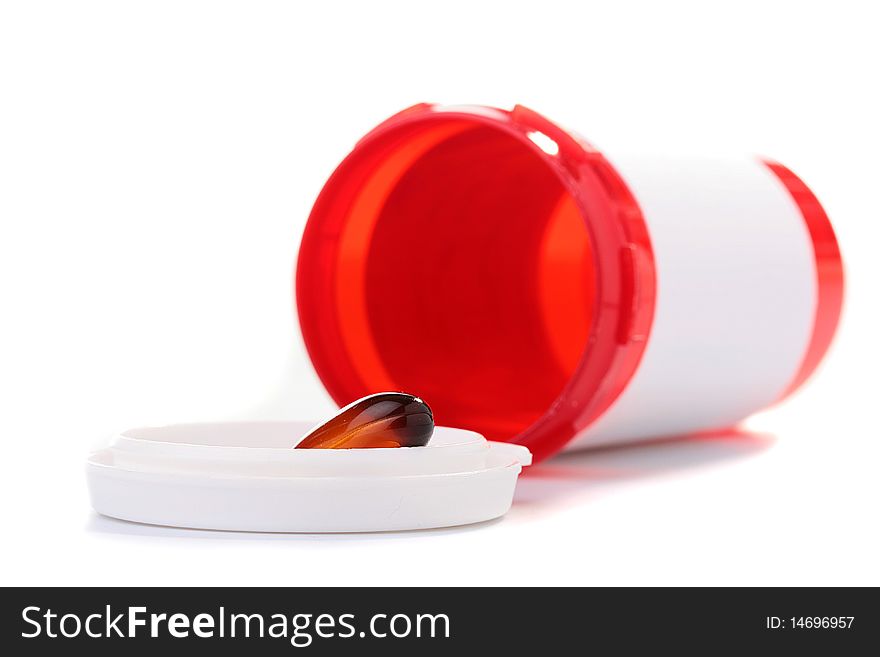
{"x": 387, "y": 419}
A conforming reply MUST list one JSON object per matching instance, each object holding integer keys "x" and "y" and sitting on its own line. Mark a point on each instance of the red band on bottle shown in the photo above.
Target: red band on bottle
{"x": 829, "y": 273}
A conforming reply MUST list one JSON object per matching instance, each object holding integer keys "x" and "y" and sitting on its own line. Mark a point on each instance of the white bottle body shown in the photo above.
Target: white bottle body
{"x": 736, "y": 298}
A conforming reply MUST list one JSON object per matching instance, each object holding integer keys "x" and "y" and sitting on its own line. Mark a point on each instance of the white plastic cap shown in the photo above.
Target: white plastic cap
{"x": 246, "y": 476}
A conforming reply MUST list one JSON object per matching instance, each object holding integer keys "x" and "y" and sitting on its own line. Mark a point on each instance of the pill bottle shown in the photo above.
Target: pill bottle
{"x": 539, "y": 291}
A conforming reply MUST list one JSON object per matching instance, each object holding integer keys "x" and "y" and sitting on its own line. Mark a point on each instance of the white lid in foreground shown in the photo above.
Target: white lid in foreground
{"x": 246, "y": 476}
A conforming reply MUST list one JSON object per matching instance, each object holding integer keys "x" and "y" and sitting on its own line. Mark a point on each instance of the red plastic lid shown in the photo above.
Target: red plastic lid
{"x": 486, "y": 260}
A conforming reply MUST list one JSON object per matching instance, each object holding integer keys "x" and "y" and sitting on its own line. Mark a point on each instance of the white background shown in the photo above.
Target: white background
{"x": 157, "y": 164}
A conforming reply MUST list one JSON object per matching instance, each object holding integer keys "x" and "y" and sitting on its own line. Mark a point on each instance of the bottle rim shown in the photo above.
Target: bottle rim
{"x": 623, "y": 263}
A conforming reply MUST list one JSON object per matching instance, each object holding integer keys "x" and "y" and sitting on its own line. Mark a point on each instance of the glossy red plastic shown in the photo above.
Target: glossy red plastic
{"x": 486, "y": 260}
{"x": 829, "y": 273}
